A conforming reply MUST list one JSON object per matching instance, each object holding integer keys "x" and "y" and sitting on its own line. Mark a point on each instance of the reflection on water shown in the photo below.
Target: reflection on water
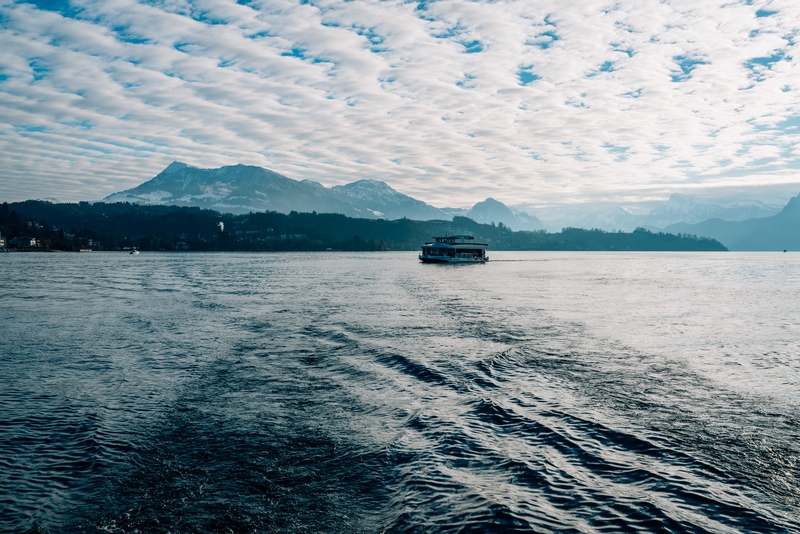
{"x": 367, "y": 392}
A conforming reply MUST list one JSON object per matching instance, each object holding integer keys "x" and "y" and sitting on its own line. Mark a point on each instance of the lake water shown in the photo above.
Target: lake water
{"x": 337, "y": 392}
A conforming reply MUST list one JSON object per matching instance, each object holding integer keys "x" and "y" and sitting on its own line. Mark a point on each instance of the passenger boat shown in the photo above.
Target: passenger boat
{"x": 454, "y": 249}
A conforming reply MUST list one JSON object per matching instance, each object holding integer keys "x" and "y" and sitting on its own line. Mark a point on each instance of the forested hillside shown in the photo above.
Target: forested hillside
{"x": 121, "y": 226}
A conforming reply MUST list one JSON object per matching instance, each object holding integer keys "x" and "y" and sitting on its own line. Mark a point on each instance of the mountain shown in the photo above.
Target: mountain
{"x": 384, "y": 202}
{"x": 779, "y": 232}
{"x": 234, "y": 189}
{"x": 607, "y": 218}
{"x": 244, "y": 188}
{"x": 678, "y": 208}
{"x": 690, "y": 209}
{"x": 493, "y": 211}
{"x": 241, "y": 189}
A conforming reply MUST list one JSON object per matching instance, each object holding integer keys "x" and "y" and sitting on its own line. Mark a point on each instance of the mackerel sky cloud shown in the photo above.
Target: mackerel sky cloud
{"x": 533, "y": 103}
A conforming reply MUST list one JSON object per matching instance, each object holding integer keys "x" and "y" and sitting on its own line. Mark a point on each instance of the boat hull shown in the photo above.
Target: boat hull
{"x": 446, "y": 259}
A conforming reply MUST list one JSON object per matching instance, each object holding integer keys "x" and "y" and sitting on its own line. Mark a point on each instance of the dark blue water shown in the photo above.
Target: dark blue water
{"x": 367, "y": 392}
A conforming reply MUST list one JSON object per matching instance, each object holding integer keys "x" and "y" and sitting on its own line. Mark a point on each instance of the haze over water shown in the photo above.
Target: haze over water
{"x": 579, "y": 392}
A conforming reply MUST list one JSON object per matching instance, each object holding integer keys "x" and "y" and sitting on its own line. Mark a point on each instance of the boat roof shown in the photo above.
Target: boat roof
{"x": 448, "y": 238}
{"x": 457, "y": 240}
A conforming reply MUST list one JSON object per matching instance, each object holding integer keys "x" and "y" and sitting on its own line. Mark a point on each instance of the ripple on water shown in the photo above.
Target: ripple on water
{"x": 361, "y": 393}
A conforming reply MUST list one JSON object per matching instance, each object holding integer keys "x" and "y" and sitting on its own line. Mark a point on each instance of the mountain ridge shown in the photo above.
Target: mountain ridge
{"x": 775, "y": 233}
{"x": 242, "y": 188}
{"x": 678, "y": 208}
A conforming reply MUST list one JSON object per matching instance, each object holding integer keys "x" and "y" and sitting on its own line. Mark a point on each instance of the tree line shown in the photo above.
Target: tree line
{"x": 122, "y": 226}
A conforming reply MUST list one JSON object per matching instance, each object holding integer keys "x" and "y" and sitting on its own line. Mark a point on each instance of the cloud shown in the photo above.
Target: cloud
{"x": 450, "y": 101}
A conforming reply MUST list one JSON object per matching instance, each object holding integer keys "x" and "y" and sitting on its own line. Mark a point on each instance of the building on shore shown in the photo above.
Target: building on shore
{"x": 25, "y": 242}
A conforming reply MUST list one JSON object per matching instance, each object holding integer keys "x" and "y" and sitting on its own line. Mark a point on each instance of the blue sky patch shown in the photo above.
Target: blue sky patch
{"x": 39, "y": 70}
{"x": 452, "y": 31}
{"x": 761, "y": 13}
{"x": 370, "y": 34}
{"x": 616, "y": 47}
{"x": 544, "y": 40}
{"x": 767, "y": 61}
{"x": 760, "y": 162}
{"x": 125, "y": 36}
{"x": 259, "y": 35}
{"x": 374, "y": 39}
{"x": 616, "y": 149}
{"x": 686, "y": 65}
{"x": 30, "y": 128}
{"x": 59, "y": 6}
{"x": 527, "y": 76}
{"x": 295, "y": 52}
{"x": 84, "y": 125}
{"x": 465, "y": 83}
{"x": 472, "y": 47}
{"x": 205, "y": 18}
{"x": 790, "y": 125}
{"x": 301, "y": 54}
{"x": 758, "y": 65}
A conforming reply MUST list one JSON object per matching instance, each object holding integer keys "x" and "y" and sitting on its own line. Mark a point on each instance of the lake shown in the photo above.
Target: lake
{"x": 367, "y": 392}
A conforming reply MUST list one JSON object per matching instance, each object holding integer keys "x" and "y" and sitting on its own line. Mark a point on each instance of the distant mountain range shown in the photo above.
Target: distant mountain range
{"x": 243, "y": 188}
{"x": 779, "y": 232}
{"x": 679, "y": 208}
{"x": 238, "y": 189}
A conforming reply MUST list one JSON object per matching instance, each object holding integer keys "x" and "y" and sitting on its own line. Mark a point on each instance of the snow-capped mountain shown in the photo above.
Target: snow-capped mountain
{"x": 603, "y": 217}
{"x": 245, "y": 188}
{"x": 689, "y": 209}
{"x": 679, "y": 208}
{"x": 384, "y": 202}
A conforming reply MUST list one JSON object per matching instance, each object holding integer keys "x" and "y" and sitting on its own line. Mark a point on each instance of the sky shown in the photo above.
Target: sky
{"x": 533, "y": 103}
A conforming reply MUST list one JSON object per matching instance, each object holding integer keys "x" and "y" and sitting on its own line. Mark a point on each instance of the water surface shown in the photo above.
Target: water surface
{"x": 368, "y": 392}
